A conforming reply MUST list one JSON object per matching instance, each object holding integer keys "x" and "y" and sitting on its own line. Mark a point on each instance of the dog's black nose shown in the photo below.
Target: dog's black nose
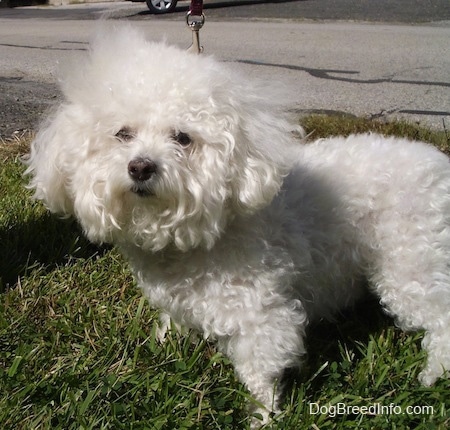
{"x": 141, "y": 169}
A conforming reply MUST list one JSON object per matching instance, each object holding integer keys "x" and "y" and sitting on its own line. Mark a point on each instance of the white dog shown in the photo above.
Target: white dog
{"x": 231, "y": 225}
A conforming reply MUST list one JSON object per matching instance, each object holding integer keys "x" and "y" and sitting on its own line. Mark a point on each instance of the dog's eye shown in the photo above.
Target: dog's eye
{"x": 125, "y": 134}
{"x": 183, "y": 139}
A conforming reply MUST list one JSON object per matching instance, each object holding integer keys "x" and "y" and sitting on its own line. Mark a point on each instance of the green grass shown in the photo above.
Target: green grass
{"x": 78, "y": 348}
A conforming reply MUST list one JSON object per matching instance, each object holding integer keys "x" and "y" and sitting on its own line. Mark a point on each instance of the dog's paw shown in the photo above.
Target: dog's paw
{"x": 262, "y": 418}
{"x": 166, "y": 325}
{"x": 163, "y": 327}
{"x": 437, "y": 345}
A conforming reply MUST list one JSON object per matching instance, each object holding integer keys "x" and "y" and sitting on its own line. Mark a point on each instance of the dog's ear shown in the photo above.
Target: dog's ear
{"x": 264, "y": 151}
{"x": 256, "y": 181}
{"x": 46, "y": 162}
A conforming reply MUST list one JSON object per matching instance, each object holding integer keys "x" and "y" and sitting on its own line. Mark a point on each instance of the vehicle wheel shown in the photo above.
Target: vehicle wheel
{"x": 161, "y": 6}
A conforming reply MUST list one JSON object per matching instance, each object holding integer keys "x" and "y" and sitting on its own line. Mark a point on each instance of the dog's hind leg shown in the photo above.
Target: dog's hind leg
{"x": 423, "y": 309}
{"x": 412, "y": 277}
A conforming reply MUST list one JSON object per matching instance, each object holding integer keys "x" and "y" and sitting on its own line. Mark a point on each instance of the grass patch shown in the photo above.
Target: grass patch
{"x": 78, "y": 348}
{"x": 326, "y": 126}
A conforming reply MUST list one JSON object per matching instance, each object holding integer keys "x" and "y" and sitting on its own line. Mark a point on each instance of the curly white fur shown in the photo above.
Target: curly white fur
{"x": 235, "y": 229}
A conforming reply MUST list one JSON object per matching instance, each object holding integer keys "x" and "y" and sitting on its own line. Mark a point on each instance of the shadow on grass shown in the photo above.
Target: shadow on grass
{"x": 325, "y": 339}
{"x": 45, "y": 241}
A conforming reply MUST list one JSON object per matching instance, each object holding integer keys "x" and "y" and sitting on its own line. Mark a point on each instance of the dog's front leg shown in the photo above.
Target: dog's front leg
{"x": 262, "y": 351}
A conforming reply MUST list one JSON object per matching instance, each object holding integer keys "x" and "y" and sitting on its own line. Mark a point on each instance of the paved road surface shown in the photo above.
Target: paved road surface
{"x": 387, "y": 11}
{"x": 382, "y": 69}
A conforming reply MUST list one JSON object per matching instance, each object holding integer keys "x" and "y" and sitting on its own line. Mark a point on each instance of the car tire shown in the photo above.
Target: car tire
{"x": 161, "y": 6}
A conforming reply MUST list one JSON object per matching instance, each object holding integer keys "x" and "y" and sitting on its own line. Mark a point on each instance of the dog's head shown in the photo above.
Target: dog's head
{"x": 156, "y": 146}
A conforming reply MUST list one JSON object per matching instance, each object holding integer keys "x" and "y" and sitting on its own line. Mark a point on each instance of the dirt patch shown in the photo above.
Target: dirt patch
{"x": 23, "y": 103}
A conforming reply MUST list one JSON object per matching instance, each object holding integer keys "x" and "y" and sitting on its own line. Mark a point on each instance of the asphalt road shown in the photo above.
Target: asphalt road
{"x": 386, "y": 11}
{"x": 387, "y": 61}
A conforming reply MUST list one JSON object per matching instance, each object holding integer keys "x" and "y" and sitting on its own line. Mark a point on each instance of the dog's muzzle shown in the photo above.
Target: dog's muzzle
{"x": 141, "y": 170}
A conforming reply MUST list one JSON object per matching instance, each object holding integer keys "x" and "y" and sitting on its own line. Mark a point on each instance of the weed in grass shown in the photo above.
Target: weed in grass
{"x": 78, "y": 347}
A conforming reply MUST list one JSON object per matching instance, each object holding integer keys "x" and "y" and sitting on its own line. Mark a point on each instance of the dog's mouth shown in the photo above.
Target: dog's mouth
{"x": 142, "y": 191}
